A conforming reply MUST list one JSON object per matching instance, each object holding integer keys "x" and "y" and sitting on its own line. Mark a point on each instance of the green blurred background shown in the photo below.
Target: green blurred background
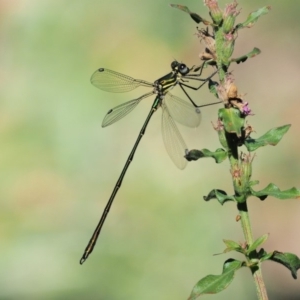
{"x": 58, "y": 166}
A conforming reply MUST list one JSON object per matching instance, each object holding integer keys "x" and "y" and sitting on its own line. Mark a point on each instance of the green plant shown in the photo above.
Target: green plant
{"x": 219, "y": 38}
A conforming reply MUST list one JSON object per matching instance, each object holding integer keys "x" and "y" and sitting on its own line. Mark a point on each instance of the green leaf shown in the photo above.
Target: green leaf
{"x": 253, "y": 182}
{"x": 257, "y": 243}
{"x": 213, "y": 284}
{"x": 232, "y": 120}
{"x": 274, "y": 191}
{"x": 194, "y": 16}
{"x": 253, "y": 17}
{"x": 219, "y": 155}
{"x": 272, "y": 137}
{"x": 232, "y": 246}
{"x": 220, "y": 195}
{"x": 289, "y": 260}
{"x": 243, "y": 58}
{"x": 181, "y": 7}
{"x": 266, "y": 256}
{"x": 212, "y": 86}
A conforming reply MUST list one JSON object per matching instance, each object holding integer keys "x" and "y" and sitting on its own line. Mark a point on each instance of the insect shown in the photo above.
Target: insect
{"x": 173, "y": 108}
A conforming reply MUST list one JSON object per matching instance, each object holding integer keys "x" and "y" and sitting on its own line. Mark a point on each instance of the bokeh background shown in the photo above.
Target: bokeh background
{"x": 58, "y": 166}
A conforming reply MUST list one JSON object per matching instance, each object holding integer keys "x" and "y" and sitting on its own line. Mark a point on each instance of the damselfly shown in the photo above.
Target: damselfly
{"x": 173, "y": 108}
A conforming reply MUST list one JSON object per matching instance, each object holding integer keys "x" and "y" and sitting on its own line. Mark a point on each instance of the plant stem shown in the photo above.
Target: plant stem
{"x": 240, "y": 169}
{"x": 256, "y": 271}
{"x": 244, "y": 214}
{"x": 260, "y": 285}
{"x": 245, "y": 221}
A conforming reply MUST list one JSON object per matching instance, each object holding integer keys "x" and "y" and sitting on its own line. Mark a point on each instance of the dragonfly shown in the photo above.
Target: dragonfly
{"x": 173, "y": 108}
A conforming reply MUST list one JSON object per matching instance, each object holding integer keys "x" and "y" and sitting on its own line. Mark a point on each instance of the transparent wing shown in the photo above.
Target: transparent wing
{"x": 182, "y": 111}
{"x": 111, "y": 81}
{"x": 120, "y": 111}
{"x": 173, "y": 140}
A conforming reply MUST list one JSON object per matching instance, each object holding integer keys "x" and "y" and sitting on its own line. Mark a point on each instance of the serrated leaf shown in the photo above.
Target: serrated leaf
{"x": 219, "y": 155}
{"x": 289, "y": 260}
{"x": 272, "y": 137}
{"x": 243, "y": 58}
{"x": 220, "y": 195}
{"x": 253, "y": 17}
{"x": 198, "y": 19}
{"x": 257, "y": 243}
{"x": 232, "y": 120}
{"x": 274, "y": 191}
{"x": 213, "y": 284}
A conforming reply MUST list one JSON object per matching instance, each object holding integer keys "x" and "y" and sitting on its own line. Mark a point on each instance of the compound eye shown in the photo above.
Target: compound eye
{"x": 174, "y": 65}
{"x": 183, "y": 69}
